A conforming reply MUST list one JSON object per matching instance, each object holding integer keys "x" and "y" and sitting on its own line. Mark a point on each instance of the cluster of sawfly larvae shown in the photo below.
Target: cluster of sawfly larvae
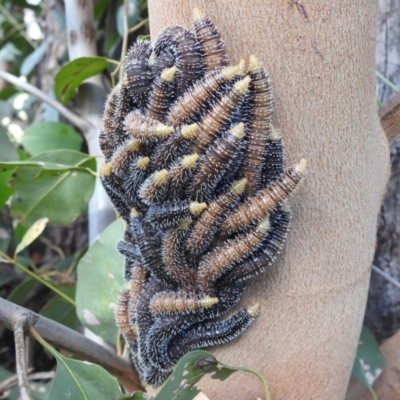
{"x": 195, "y": 167}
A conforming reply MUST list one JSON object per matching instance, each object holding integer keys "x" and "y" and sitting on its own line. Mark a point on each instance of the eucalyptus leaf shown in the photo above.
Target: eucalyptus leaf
{"x": 60, "y": 198}
{"x": 191, "y": 368}
{"x": 47, "y": 135}
{"x": 32, "y": 233}
{"x": 5, "y": 189}
{"x": 82, "y": 380}
{"x": 369, "y": 362}
{"x": 60, "y": 310}
{"x": 7, "y": 149}
{"x": 74, "y": 73}
{"x": 100, "y": 280}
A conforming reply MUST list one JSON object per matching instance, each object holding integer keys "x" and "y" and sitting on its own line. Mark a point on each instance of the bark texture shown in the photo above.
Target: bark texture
{"x": 383, "y": 307}
{"x": 321, "y": 56}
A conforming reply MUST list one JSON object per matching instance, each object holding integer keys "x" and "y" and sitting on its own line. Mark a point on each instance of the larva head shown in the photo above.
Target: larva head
{"x": 184, "y": 225}
{"x": 253, "y": 310}
{"x": 142, "y": 163}
{"x": 238, "y": 187}
{"x": 105, "y": 169}
{"x": 168, "y": 74}
{"x": 163, "y": 130}
{"x": 196, "y": 208}
{"x": 275, "y": 134}
{"x": 160, "y": 177}
{"x": 301, "y": 167}
{"x": 198, "y": 15}
{"x": 241, "y": 87}
{"x": 238, "y": 131}
{"x": 187, "y": 131}
{"x": 228, "y": 73}
{"x": 255, "y": 65}
{"x": 208, "y": 301}
{"x": 264, "y": 225}
{"x": 242, "y": 67}
{"x": 133, "y": 145}
{"x": 188, "y": 162}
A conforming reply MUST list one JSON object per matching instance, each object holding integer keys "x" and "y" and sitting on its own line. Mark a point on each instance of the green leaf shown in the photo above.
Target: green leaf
{"x": 74, "y": 73}
{"x": 22, "y": 291}
{"x": 59, "y": 310}
{"x": 32, "y": 233}
{"x": 369, "y": 362}
{"x": 100, "y": 280}
{"x": 60, "y": 198}
{"x": 7, "y": 149}
{"x": 47, "y": 135}
{"x": 191, "y": 368}
{"x": 5, "y": 190}
{"x": 82, "y": 380}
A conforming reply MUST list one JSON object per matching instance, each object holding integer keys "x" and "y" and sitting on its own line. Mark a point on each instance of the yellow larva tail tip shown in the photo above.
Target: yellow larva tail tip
{"x": 163, "y": 130}
{"x": 237, "y": 131}
{"x": 301, "y": 167}
{"x": 242, "y": 86}
{"x": 228, "y": 73}
{"x": 133, "y": 145}
{"x": 124, "y": 81}
{"x": 242, "y": 68}
{"x": 187, "y": 131}
{"x": 105, "y": 169}
{"x": 196, "y": 208}
{"x": 160, "y": 177}
{"x": 185, "y": 224}
{"x": 143, "y": 162}
{"x": 208, "y": 301}
{"x": 198, "y": 15}
{"x": 237, "y": 187}
{"x": 255, "y": 65}
{"x": 189, "y": 161}
{"x": 275, "y": 133}
{"x": 286, "y": 208}
{"x": 134, "y": 212}
{"x": 253, "y": 310}
{"x": 263, "y": 226}
{"x": 168, "y": 74}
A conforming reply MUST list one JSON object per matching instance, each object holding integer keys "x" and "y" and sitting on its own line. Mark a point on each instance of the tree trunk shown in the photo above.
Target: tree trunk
{"x": 321, "y": 56}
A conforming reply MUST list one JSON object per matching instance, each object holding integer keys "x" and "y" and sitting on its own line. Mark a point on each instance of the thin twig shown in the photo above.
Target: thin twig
{"x": 386, "y": 276}
{"x": 73, "y": 342}
{"x": 76, "y": 120}
{"x": 38, "y": 278}
{"x": 125, "y": 38}
{"x": 138, "y": 26}
{"x": 19, "y": 337}
{"x": 17, "y": 25}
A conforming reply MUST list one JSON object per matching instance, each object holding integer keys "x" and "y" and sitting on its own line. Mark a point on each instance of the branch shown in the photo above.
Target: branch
{"x": 20, "y": 357}
{"x": 64, "y": 338}
{"x": 76, "y": 120}
{"x": 390, "y": 118}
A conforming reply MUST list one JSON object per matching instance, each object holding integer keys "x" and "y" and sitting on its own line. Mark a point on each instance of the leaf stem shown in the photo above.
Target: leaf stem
{"x": 125, "y": 38}
{"x": 387, "y": 81}
{"x": 38, "y": 278}
{"x": 138, "y": 26}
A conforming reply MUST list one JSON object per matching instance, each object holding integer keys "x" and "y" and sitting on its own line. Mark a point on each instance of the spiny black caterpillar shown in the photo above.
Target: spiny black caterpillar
{"x": 195, "y": 167}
